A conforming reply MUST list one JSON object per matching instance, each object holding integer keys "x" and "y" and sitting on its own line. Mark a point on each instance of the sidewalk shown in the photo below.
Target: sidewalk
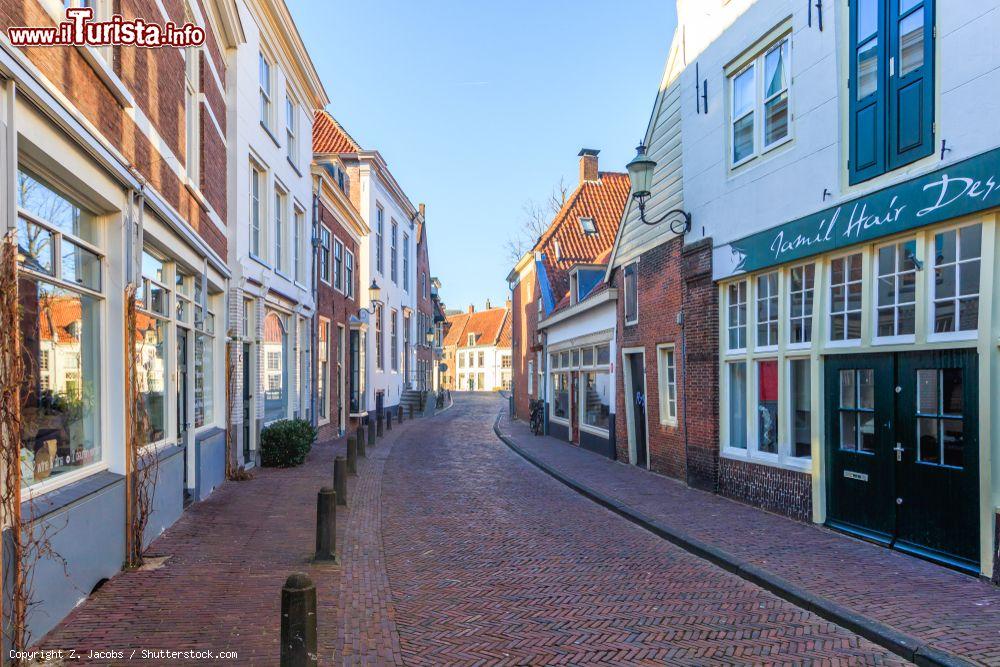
{"x": 921, "y": 611}
{"x": 226, "y": 559}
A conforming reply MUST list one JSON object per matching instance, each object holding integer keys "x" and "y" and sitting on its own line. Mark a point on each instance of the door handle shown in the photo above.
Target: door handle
{"x": 899, "y": 451}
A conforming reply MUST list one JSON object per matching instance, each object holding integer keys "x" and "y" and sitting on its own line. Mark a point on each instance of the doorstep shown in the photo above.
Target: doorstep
{"x": 920, "y": 611}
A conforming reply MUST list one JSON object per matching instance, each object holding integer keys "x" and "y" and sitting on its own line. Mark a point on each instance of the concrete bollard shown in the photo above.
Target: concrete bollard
{"x": 352, "y": 456}
{"x": 326, "y": 525}
{"x": 298, "y": 621}
{"x": 361, "y": 433}
{"x": 361, "y": 448}
{"x": 340, "y": 479}
{"x": 399, "y": 414}
{"x": 378, "y": 425}
{"x": 371, "y": 436}
{"x": 388, "y": 420}
{"x": 411, "y": 411}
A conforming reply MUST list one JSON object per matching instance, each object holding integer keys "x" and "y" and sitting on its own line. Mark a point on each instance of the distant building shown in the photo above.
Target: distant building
{"x": 477, "y": 350}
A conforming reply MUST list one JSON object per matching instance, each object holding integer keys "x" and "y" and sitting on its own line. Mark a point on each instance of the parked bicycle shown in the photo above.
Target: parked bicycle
{"x": 537, "y": 416}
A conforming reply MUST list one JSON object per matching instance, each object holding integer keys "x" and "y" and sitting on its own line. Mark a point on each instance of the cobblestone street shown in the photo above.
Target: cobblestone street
{"x": 474, "y": 556}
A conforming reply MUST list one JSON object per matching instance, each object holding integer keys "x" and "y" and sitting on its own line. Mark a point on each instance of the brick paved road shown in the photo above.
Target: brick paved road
{"x": 492, "y": 561}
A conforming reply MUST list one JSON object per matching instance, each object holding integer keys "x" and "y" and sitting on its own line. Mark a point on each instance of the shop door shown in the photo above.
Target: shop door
{"x": 638, "y": 407}
{"x": 903, "y": 452}
{"x": 247, "y": 405}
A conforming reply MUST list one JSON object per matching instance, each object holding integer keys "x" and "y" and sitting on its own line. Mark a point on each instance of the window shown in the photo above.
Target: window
{"x": 358, "y": 361}
{"x": 560, "y": 395}
{"x": 767, "y": 101}
{"x": 291, "y": 125}
{"x": 631, "y": 294}
{"x": 588, "y": 226}
{"x": 767, "y": 406}
{"x": 192, "y": 111}
{"x": 957, "y": 254}
{"x": 279, "y": 230}
{"x": 265, "y": 92}
{"x": 940, "y": 421}
{"x": 471, "y": 339}
{"x": 379, "y": 354}
{"x": 482, "y": 359}
{"x": 737, "y": 315}
{"x": 60, "y": 329}
{"x": 379, "y": 239}
{"x": 595, "y": 398}
{"x": 324, "y": 254}
{"x": 800, "y": 303}
{"x": 349, "y": 273}
{"x": 800, "y": 399}
{"x": 892, "y": 85}
{"x": 737, "y": 395}
{"x": 299, "y": 265}
{"x": 767, "y": 310}
{"x": 406, "y": 262}
{"x": 896, "y": 296}
{"x": 393, "y": 251}
{"x": 256, "y": 209}
{"x": 276, "y": 367}
{"x": 323, "y": 370}
{"x": 531, "y": 377}
{"x": 461, "y": 360}
{"x": 856, "y": 411}
{"x": 338, "y": 264}
{"x": 394, "y": 340}
{"x": 505, "y": 361}
{"x": 845, "y": 298}
{"x": 668, "y": 385}
{"x": 204, "y": 365}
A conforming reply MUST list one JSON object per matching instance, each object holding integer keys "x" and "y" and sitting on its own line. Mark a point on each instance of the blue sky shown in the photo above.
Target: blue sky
{"x": 479, "y": 107}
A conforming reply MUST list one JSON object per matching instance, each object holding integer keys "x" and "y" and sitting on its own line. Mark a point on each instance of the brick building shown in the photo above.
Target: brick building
{"x": 112, "y": 156}
{"x": 426, "y": 353}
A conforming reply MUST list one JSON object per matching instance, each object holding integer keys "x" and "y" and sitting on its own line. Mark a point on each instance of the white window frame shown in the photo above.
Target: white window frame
{"x": 265, "y": 82}
{"x": 379, "y": 238}
{"x": 757, "y": 110}
{"x": 326, "y": 256}
{"x": 730, "y": 305}
{"x": 931, "y": 270}
{"x": 895, "y": 338}
{"x": 348, "y": 273}
{"x": 291, "y": 131}
{"x": 666, "y": 362}
{"x": 625, "y": 298}
{"x": 338, "y": 267}
{"x": 773, "y": 300}
{"x": 808, "y": 297}
{"x": 280, "y": 228}
{"x": 258, "y": 206}
{"x": 828, "y": 301}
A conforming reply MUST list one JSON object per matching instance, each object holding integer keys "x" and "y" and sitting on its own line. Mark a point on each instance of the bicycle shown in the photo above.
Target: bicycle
{"x": 537, "y": 416}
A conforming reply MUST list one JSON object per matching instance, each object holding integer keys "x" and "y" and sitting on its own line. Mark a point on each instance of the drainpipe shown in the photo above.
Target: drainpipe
{"x": 681, "y": 320}
{"x": 314, "y": 327}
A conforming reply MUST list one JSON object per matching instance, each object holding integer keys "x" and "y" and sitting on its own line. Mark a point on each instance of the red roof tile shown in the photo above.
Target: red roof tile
{"x": 329, "y": 136}
{"x": 487, "y": 325}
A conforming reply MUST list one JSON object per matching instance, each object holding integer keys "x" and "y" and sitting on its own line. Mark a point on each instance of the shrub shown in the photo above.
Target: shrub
{"x": 286, "y": 443}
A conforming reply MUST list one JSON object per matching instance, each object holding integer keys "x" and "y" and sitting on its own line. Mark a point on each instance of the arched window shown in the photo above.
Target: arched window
{"x": 275, "y": 367}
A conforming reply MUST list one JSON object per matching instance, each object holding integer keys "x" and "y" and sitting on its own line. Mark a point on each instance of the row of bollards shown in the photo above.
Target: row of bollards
{"x": 298, "y": 596}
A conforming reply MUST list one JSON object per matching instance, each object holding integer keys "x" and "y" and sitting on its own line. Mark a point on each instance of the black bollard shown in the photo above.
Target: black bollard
{"x": 399, "y": 414}
{"x": 352, "y": 456}
{"x": 361, "y": 433}
{"x": 388, "y": 420}
{"x": 411, "y": 410}
{"x": 371, "y": 436}
{"x": 378, "y": 425}
{"x": 298, "y": 621}
{"x": 340, "y": 479}
{"x": 326, "y": 525}
{"x": 361, "y": 448}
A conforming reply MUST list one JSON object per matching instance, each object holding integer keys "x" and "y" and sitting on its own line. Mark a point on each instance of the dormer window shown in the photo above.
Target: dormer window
{"x": 588, "y": 226}
{"x": 558, "y": 251}
{"x": 472, "y": 340}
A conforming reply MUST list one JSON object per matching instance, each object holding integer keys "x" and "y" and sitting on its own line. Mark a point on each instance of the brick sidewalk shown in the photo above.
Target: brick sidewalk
{"x": 227, "y": 558}
{"x": 946, "y": 610}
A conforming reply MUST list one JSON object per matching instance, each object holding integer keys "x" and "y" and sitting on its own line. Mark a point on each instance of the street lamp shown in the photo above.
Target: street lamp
{"x": 430, "y": 336}
{"x": 640, "y": 173}
{"x": 374, "y": 297}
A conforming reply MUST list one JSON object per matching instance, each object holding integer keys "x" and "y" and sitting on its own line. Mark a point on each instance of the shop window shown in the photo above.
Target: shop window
{"x": 767, "y": 310}
{"x": 737, "y": 315}
{"x": 630, "y": 280}
{"x": 275, "y": 348}
{"x": 767, "y": 406}
{"x": 845, "y": 298}
{"x": 891, "y": 80}
{"x": 737, "y": 398}
{"x": 323, "y": 369}
{"x": 595, "y": 399}
{"x": 800, "y": 303}
{"x": 940, "y": 425}
{"x": 957, "y": 260}
{"x": 857, "y": 410}
{"x": 767, "y": 102}
{"x": 896, "y": 292}
{"x": 800, "y": 398}
{"x": 668, "y": 384}
{"x": 560, "y": 395}
{"x": 204, "y": 367}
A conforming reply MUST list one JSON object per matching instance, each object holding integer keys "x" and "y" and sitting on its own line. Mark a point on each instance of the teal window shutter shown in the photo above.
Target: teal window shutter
{"x": 911, "y": 81}
{"x": 868, "y": 37}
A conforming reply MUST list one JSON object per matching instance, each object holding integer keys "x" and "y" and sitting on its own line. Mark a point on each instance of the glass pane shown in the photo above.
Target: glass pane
{"x": 151, "y": 366}
{"x": 953, "y": 437}
{"x": 837, "y": 329}
{"x": 867, "y": 18}
{"x": 971, "y": 240}
{"x": 868, "y": 69}
{"x": 848, "y": 391}
{"x": 776, "y": 119}
{"x": 886, "y": 260}
{"x": 775, "y": 77}
{"x": 34, "y": 246}
{"x": 928, "y": 400}
{"x": 37, "y": 198}
{"x": 908, "y": 255}
{"x": 152, "y": 267}
{"x": 204, "y": 404}
{"x": 275, "y": 349}
{"x": 854, "y": 296}
{"x": 907, "y": 322}
{"x": 743, "y": 138}
{"x": 866, "y": 389}
{"x": 743, "y": 92}
{"x": 848, "y": 431}
{"x": 801, "y": 400}
{"x": 596, "y": 399}
{"x": 944, "y": 247}
{"x": 928, "y": 447}
{"x": 603, "y": 354}
{"x": 576, "y": 357}
{"x": 60, "y": 393}
{"x": 866, "y": 431}
{"x": 80, "y": 266}
{"x": 944, "y": 282}
{"x": 911, "y": 42}
{"x": 157, "y": 299}
{"x": 907, "y": 5}
{"x": 944, "y": 316}
{"x": 854, "y": 267}
{"x": 886, "y": 321}
{"x": 968, "y": 314}
{"x": 951, "y": 391}
{"x": 968, "y": 278}
{"x": 907, "y": 287}
{"x": 838, "y": 299}
{"x": 886, "y": 291}
{"x": 837, "y": 267}
{"x": 767, "y": 406}
{"x": 738, "y": 405}
{"x": 853, "y": 326}
{"x": 588, "y": 356}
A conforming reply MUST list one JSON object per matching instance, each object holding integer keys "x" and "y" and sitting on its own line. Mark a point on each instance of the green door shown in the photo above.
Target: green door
{"x": 902, "y": 450}
{"x": 858, "y": 420}
{"x": 938, "y": 457}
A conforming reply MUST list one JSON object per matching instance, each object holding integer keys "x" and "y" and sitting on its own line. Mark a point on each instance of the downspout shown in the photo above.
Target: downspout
{"x": 684, "y": 404}
{"x": 314, "y": 327}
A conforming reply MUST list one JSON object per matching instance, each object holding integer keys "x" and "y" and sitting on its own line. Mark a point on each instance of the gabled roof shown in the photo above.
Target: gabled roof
{"x": 506, "y": 333}
{"x": 329, "y": 136}
{"x": 602, "y": 200}
{"x": 487, "y": 326}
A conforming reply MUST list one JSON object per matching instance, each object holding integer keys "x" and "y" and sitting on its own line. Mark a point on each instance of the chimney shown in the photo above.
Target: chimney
{"x": 488, "y": 304}
{"x": 507, "y": 303}
{"x": 588, "y": 165}
{"x": 472, "y": 308}
{"x": 423, "y": 211}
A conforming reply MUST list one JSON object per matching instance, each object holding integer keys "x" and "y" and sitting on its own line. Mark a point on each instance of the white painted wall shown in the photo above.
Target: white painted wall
{"x": 600, "y": 318}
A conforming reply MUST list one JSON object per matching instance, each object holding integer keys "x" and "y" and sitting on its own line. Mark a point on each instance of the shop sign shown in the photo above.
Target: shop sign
{"x": 960, "y": 189}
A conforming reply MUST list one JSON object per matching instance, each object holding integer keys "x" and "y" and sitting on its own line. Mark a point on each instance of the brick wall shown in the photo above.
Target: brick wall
{"x": 524, "y": 332}
{"x": 777, "y": 490}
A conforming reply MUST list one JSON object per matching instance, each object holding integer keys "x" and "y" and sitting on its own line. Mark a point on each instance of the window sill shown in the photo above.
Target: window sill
{"x": 798, "y": 347}
{"x": 767, "y": 349}
{"x": 261, "y": 261}
{"x": 52, "y": 484}
{"x": 595, "y": 430}
{"x": 762, "y": 458}
{"x": 672, "y": 423}
{"x": 894, "y": 340}
{"x": 291, "y": 164}
{"x": 741, "y": 352}
{"x": 843, "y": 343}
{"x": 953, "y": 337}
{"x": 270, "y": 134}
{"x": 559, "y": 420}
{"x": 67, "y": 492}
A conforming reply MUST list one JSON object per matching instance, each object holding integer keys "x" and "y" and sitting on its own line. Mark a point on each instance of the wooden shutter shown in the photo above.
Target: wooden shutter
{"x": 911, "y": 93}
{"x": 868, "y": 63}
